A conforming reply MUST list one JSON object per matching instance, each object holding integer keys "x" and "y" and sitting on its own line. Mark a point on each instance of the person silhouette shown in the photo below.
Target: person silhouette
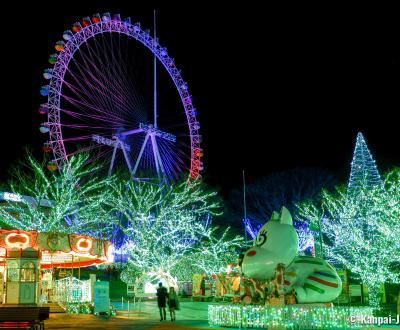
{"x": 173, "y": 302}
{"x": 162, "y": 294}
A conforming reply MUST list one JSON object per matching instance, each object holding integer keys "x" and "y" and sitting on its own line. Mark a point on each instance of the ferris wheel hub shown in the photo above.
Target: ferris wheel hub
{"x": 150, "y": 129}
{"x": 115, "y": 142}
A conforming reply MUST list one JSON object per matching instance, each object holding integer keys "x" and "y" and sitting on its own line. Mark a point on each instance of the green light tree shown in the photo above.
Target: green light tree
{"x": 211, "y": 255}
{"x": 162, "y": 224}
{"x": 364, "y": 172}
{"x": 65, "y": 201}
{"x": 361, "y": 232}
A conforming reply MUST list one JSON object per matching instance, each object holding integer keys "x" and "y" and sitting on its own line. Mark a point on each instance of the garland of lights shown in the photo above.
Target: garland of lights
{"x": 211, "y": 256}
{"x": 85, "y": 308}
{"x": 287, "y": 317}
{"x": 364, "y": 172}
{"x": 164, "y": 228}
{"x": 66, "y": 201}
{"x": 73, "y": 291}
{"x": 361, "y": 232}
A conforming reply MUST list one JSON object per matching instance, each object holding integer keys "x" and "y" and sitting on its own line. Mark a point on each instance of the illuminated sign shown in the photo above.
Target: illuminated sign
{"x": 58, "y": 257}
{"x": 12, "y": 197}
{"x": 17, "y": 240}
{"x": 84, "y": 244}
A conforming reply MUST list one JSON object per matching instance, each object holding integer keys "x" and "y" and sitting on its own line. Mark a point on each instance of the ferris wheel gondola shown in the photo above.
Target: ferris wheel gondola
{"x": 94, "y": 103}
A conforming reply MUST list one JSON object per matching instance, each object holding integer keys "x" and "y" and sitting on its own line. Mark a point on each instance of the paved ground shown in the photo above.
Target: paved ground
{"x": 192, "y": 316}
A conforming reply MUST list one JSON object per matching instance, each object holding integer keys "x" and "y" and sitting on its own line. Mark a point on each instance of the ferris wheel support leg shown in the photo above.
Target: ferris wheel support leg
{"x": 126, "y": 157}
{"x": 154, "y": 145}
{"x": 140, "y": 154}
{"x": 112, "y": 159}
{"x": 158, "y": 159}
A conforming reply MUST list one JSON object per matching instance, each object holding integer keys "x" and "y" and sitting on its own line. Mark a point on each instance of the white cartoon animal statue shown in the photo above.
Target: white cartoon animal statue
{"x": 313, "y": 279}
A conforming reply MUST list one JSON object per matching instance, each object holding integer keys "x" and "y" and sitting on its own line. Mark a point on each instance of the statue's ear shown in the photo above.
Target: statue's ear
{"x": 285, "y": 217}
{"x": 275, "y": 216}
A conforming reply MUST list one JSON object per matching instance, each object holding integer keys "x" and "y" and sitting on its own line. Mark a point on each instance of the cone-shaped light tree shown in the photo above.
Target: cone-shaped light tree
{"x": 364, "y": 173}
{"x": 362, "y": 232}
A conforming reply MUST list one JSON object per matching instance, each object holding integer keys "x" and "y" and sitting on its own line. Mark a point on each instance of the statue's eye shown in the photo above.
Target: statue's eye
{"x": 261, "y": 238}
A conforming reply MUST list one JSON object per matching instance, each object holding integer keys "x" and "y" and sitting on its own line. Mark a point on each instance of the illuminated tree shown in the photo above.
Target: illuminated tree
{"x": 64, "y": 201}
{"x": 211, "y": 255}
{"x": 361, "y": 232}
{"x": 162, "y": 223}
{"x": 364, "y": 172}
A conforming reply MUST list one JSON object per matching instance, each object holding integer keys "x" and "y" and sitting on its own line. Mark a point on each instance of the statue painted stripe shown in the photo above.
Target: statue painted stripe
{"x": 313, "y": 287}
{"x": 321, "y": 281}
{"x": 325, "y": 274}
{"x": 315, "y": 262}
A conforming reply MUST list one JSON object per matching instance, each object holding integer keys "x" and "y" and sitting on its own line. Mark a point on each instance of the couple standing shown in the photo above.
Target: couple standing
{"x": 162, "y": 296}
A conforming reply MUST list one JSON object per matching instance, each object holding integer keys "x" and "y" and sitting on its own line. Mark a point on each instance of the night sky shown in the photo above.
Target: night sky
{"x": 275, "y": 88}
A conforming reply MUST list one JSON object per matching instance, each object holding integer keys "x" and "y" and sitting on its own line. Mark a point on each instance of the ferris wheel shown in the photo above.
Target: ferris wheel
{"x": 102, "y": 98}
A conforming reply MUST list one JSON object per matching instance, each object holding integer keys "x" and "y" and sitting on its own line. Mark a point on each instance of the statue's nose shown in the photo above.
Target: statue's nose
{"x": 251, "y": 253}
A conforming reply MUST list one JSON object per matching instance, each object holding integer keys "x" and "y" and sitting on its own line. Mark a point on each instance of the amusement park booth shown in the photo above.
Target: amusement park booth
{"x": 28, "y": 258}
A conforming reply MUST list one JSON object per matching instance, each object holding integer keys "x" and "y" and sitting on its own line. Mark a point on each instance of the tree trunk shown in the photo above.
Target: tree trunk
{"x": 373, "y": 294}
{"x": 165, "y": 275}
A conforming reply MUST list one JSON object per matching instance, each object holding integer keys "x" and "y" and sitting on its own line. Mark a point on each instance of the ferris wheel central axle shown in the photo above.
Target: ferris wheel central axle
{"x": 151, "y": 133}
{"x": 152, "y": 130}
{"x": 116, "y": 143}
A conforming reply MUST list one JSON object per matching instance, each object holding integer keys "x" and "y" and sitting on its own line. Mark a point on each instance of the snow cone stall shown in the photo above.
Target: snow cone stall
{"x": 281, "y": 289}
{"x": 27, "y": 259}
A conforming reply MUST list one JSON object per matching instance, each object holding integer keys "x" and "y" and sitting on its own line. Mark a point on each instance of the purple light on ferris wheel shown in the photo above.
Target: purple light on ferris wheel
{"x": 93, "y": 106}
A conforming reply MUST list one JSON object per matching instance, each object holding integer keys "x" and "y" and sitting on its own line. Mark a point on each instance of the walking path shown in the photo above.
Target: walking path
{"x": 192, "y": 316}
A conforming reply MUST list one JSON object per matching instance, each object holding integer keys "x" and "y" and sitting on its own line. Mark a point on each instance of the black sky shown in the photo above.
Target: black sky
{"x": 275, "y": 88}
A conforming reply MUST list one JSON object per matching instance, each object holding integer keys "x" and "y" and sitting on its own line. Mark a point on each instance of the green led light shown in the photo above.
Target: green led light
{"x": 168, "y": 232}
{"x": 361, "y": 232}
{"x": 67, "y": 201}
{"x": 303, "y": 317}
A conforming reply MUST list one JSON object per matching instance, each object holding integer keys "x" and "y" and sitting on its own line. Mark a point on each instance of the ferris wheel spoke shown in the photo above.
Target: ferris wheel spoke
{"x": 94, "y": 110}
{"x": 168, "y": 163}
{"x": 88, "y": 149}
{"x": 89, "y": 118}
{"x": 86, "y": 128}
{"x": 101, "y": 100}
{"x": 109, "y": 64}
{"x": 83, "y": 89}
{"x": 100, "y": 87}
{"x": 78, "y": 91}
{"x": 78, "y": 138}
{"x": 101, "y": 71}
{"x": 132, "y": 132}
{"x": 118, "y": 73}
{"x": 170, "y": 160}
{"x": 97, "y": 71}
{"x": 130, "y": 87}
{"x": 95, "y": 92}
{"x": 110, "y": 96}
